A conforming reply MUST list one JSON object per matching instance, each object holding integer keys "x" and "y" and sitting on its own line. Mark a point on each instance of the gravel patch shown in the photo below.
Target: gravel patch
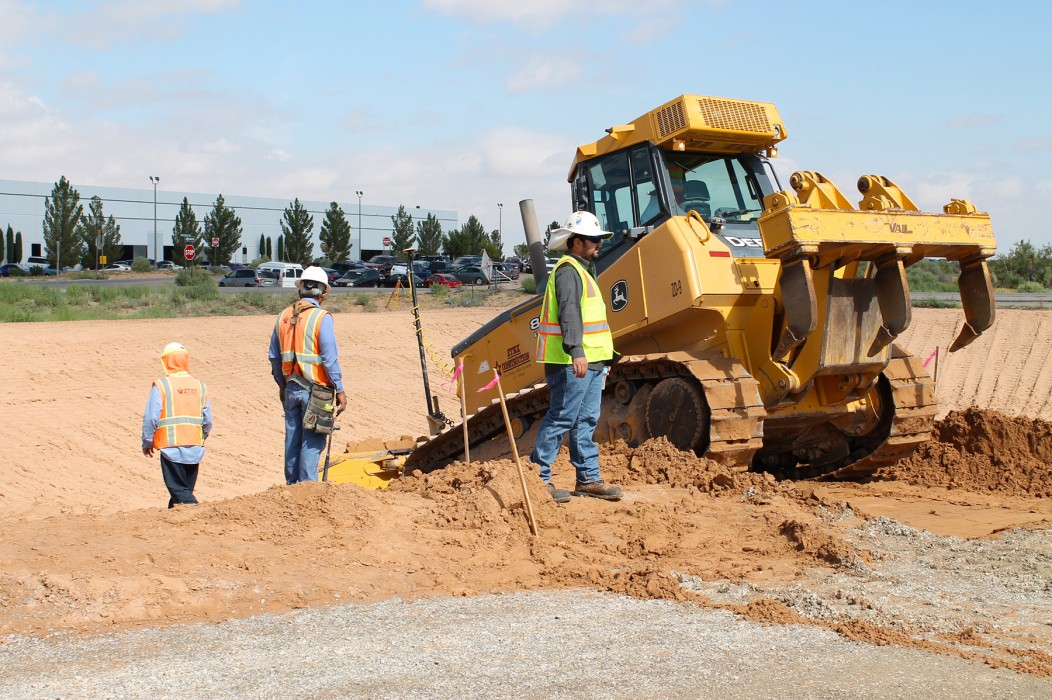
{"x": 524, "y": 645}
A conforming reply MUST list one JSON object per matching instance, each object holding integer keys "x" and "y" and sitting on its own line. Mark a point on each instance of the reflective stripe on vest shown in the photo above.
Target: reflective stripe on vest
{"x": 597, "y": 342}
{"x": 183, "y": 400}
{"x": 300, "y": 346}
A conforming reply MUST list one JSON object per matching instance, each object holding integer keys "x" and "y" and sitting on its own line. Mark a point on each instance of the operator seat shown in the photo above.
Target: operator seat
{"x": 696, "y": 197}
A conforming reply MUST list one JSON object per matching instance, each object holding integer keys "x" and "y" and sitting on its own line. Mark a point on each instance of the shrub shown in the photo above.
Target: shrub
{"x": 141, "y": 265}
{"x": 1030, "y": 287}
{"x": 529, "y": 285}
{"x": 440, "y": 291}
{"x": 193, "y": 276}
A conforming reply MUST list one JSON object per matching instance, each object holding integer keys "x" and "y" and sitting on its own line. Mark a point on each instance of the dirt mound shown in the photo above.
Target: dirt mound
{"x": 984, "y": 451}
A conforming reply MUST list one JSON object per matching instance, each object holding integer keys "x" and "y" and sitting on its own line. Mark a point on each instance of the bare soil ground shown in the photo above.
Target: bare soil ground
{"x": 949, "y": 551}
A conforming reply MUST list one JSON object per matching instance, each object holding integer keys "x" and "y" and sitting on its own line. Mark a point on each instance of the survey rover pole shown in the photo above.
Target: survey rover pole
{"x": 434, "y": 423}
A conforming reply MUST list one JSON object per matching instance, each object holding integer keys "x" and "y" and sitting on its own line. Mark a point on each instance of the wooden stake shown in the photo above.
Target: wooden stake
{"x": 464, "y": 413}
{"x": 515, "y": 454}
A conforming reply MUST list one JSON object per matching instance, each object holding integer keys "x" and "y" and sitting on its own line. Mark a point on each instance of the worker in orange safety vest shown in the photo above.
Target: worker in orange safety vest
{"x": 177, "y": 420}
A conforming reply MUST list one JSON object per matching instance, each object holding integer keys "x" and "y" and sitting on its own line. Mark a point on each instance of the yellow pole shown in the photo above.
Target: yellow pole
{"x": 464, "y": 412}
{"x": 515, "y": 454}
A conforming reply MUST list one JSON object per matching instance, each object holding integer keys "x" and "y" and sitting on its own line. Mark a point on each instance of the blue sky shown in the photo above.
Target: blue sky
{"x": 461, "y": 104}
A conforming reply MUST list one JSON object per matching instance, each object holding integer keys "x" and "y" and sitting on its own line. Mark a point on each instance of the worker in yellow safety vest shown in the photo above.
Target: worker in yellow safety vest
{"x": 177, "y": 419}
{"x": 575, "y": 345}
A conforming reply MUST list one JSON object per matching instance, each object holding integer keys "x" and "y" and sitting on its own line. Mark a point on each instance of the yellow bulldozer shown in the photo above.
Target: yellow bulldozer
{"x": 755, "y": 324}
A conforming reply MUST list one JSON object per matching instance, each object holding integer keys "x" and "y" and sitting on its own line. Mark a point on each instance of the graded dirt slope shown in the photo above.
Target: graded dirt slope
{"x": 88, "y": 545}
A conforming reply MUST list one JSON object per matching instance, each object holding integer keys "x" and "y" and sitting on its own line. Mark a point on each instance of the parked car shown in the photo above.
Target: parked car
{"x": 332, "y": 273}
{"x": 506, "y": 269}
{"x": 440, "y": 266}
{"x": 359, "y": 278}
{"x": 168, "y": 265}
{"x": 471, "y": 274}
{"x": 13, "y": 270}
{"x": 50, "y": 271}
{"x": 394, "y": 279}
{"x": 247, "y": 277}
{"x": 348, "y": 265}
{"x": 117, "y": 267}
{"x": 383, "y": 263}
{"x": 466, "y": 261}
{"x": 442, "y": 279}
{"x": 37, "y": 261}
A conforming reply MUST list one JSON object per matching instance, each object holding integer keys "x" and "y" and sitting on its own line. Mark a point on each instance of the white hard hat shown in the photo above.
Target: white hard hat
{"x": 313, "y": 274}
{"x": 580, "y": 223}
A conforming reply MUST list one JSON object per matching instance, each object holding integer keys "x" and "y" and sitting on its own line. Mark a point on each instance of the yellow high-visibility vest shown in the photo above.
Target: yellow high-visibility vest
{"x": 598, "y": 343}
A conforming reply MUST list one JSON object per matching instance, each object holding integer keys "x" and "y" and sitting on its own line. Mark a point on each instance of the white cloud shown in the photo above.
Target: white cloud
{"x": 279, "y": 155}
{"x": 543, "y": 72}
{"x": 1033, "y": 144}
{"x": 973, "y": 121}
{"x": 135, "y": 20}
{"x": 542, "y": 14}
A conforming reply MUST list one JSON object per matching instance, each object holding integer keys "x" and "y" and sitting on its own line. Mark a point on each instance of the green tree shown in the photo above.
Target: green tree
{"x": 94, "y": 225}
{"x": 270, "y": 249}
{"x": 494, "y": 246}
{"x": 297, "y": 225}
{"x": 522, "y": 251}
{"x": 62, "y": 213}
{"x": 402, "y": 235}
{"x": 469, "y": 239}
{"x": 281, "y": 249}
{"x": 429, "y": 235}
{"x": 5, "y": 248}
{"x": 262, "y": 245}
{"x": 16, "y": 257}
{"x": 186, "y": 231}
{"x": 335, "y": 234}
{"x": 223, "y": 223}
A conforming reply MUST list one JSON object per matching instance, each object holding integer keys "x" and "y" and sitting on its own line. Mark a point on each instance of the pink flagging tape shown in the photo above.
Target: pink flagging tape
{"x": 493, "y": 383}
{"x": 933, "y": 354}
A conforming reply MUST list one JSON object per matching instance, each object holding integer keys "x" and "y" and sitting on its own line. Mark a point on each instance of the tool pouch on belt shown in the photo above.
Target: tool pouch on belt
{"x": 321, "y": 409}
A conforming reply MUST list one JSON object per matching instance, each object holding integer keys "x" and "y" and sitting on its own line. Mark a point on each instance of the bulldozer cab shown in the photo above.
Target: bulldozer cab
{"x": 634, "y": 191}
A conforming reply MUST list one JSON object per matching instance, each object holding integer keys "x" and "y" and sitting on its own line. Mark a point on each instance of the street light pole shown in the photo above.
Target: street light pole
{"x": 500, "y": 221}
{"x": 360, "y": 193}
{"x": 155, "y": 180}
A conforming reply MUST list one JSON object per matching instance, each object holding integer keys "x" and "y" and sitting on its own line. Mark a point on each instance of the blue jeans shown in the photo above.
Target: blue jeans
{"x": 302, "y": 447}
{"x": 574, "y": 409}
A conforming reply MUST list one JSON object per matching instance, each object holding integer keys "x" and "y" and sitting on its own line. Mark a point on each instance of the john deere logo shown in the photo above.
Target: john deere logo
{"x": 619, "y": 295}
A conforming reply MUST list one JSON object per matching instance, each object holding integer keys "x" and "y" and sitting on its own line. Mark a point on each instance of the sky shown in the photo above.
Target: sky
{"x": 474, "y": 104}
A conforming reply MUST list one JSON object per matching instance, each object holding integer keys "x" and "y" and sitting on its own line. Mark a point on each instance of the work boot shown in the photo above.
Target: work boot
{"x": 598, "y": 489}
{"x": 558, "y": 495}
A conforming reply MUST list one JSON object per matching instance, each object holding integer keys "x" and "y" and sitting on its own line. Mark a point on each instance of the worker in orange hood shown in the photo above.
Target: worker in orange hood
{"x": 177, "y": 420}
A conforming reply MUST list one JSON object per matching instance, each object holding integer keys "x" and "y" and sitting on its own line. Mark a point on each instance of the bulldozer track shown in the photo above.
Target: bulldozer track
{"x": 731, "y": 396}
{"x": 912, "y": 393}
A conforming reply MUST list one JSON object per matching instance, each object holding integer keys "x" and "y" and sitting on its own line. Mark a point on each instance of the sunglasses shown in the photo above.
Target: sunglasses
{"x": 594, "y": 239}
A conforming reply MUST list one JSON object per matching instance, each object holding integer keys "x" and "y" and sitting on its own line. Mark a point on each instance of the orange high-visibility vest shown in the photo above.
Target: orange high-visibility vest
{"x": 299, "y": 327}
{"x": 183, "y": 401}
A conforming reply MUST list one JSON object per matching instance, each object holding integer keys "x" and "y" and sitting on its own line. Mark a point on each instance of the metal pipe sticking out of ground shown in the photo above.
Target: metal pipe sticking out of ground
{"x": 536, "y": 244}
{"x": 434, "y": 419}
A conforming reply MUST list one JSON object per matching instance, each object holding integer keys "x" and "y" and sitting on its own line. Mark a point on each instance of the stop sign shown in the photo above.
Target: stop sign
{"x": 188, "y": 252}
{"x": 387, "y": 241}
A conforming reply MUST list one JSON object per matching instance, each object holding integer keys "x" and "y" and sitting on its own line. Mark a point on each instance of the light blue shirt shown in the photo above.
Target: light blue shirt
{"x": 327, "y": 351}
{"x": 186, "y": 454}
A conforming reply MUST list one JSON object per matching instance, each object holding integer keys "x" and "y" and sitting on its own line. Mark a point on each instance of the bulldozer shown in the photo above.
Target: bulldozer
{"x": 755, "y": 324}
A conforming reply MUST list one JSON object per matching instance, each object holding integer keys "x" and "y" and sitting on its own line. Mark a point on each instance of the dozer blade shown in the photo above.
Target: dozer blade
{"x": 977, "y": 300}
{"x": 816, "y": 228}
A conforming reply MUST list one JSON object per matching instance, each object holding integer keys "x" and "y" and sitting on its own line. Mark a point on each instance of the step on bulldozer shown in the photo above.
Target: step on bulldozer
{"x": 756, "y": 324}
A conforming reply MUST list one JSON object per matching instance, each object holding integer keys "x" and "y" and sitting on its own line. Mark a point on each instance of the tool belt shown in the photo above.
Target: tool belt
{"x": 320, "y": 415}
